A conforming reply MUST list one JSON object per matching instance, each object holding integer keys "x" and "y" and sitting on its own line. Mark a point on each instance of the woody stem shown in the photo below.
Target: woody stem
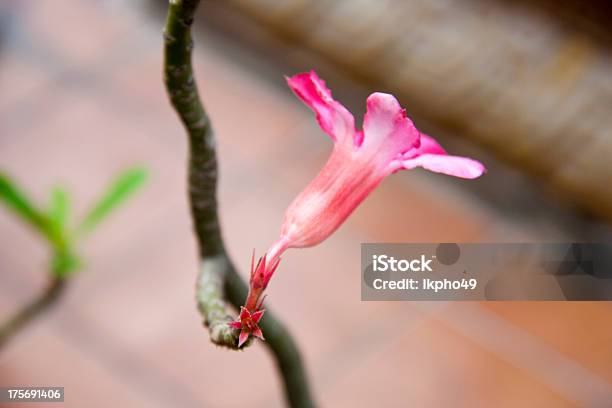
{"x": 51, "y": 294}
{"x": 218, "y": 280}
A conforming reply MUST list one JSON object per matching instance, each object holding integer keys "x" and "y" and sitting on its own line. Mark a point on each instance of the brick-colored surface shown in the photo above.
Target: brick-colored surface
{"x": 76, "y": 108}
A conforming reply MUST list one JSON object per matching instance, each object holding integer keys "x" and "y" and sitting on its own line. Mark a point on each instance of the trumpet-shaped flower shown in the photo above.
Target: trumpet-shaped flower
{"x": 360, "y": 160}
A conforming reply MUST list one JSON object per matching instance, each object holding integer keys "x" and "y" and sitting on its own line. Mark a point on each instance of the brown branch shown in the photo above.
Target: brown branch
{"x": 33, "y": 309}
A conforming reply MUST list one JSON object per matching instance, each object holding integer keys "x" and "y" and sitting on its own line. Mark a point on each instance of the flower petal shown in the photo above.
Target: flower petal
{"x": 244, "y": 313}
{"x": 387, "y": 130}
{"x": 256, "y": 316}
{"x": 333, "y": 117}
{"x": 235, "y": 325}
{"x": 428, "y": 145}
{"x": 244, "y": 336}
{"x": 258, "y": 333}
{"x": 451, "y": 165}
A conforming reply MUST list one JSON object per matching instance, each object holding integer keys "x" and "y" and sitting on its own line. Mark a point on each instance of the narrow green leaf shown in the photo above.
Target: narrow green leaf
{"x": 59, "y": 207}
{"x": 21, "y": 205}
{"x": 118, "y": 191}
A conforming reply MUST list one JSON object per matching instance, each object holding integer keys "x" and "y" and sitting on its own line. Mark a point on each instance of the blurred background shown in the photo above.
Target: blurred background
{"x": 523, "y": 86}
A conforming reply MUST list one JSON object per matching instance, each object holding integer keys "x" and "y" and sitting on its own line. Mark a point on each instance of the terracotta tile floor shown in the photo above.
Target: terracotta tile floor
{"x": 82, "y": 98}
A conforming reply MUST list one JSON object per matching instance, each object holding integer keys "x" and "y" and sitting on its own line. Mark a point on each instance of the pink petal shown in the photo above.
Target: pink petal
{"x": 258, "y": 333}
{"x": 334, "y": 119}
{"x": 235, "y": 325}
{"x": 429, "y": 145}
{"x": 450, "y": 165}
{"x": 257, "y": 315}
{"x": 387, "y": 130}
{"x": 244, "y": 336}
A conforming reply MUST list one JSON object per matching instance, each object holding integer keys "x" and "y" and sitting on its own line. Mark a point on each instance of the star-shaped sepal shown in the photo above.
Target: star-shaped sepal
{"x": 248, "y": 324}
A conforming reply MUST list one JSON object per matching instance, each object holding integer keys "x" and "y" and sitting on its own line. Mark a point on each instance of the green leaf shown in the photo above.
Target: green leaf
{"x": 21, "y": 205}
{"x": 59, "y": 207}
{"x": 118, "y": 191}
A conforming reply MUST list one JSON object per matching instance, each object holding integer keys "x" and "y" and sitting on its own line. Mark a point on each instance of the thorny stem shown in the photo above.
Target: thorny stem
{"x": 218, "y": 279}
{"x": 53, "y": 291}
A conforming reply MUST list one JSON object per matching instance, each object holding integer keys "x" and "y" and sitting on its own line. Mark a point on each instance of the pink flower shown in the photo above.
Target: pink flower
{"x": 360, "y": 160}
